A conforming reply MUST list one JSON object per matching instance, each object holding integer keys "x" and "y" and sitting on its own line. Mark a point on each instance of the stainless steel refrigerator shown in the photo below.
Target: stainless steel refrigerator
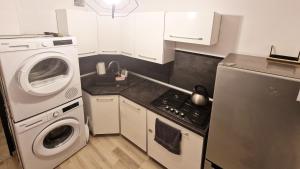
{"x": 255, "y": 121}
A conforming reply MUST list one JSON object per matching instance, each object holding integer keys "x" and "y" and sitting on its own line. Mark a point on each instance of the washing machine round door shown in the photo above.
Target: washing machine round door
{"x": 45, "y": 74}
{"x": 56, "y": 138}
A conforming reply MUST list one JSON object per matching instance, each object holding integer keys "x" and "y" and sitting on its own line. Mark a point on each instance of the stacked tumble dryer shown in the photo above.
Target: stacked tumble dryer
{"x": 42, "y": 90}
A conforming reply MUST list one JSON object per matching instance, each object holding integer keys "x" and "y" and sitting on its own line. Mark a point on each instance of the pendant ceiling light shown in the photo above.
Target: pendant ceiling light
{"x": 114, "y": 8}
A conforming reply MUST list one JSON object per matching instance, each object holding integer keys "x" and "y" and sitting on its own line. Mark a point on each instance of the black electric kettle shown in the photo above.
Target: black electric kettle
{"x": 200, "y": 96}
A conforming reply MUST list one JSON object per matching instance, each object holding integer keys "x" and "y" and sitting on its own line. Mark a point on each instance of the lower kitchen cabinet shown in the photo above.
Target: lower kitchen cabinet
{"x": 137, "y": 124}
{"x": 103, "y": 113}
{"x": 134, "y": 122}
{"x": 191, "y": 146}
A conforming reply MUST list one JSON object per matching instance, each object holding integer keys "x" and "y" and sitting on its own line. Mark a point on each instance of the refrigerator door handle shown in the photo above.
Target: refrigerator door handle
{"x": 298, "y": 98}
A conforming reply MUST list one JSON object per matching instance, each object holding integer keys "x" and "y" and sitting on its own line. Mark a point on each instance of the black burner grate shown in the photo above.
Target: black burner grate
{"x": 179, "y": 104}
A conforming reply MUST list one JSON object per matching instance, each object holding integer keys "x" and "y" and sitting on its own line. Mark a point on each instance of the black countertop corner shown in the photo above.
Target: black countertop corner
{"x": 91, "y": 85}
{"x": 144, "y": 92}
{"x": 138, "y": 90}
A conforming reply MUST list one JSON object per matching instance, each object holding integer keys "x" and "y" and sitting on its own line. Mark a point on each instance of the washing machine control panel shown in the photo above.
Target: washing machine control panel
{"x": 63, "y": 42}
{"x": 55, "y": 113}
{"x": 27, "y": 43}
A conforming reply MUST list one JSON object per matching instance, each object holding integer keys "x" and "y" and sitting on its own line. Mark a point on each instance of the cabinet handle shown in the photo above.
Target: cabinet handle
{"x": 150, "y": 130}
{"x": 126, "y": 53}
{"x": 87, "y": 53}
{"x": 138, "y": 109}
{"x": 182, "y": 37}
{"x": 145, "y": 57}
{"x": 105, "y": 100}
{"x": 109, "y": 51}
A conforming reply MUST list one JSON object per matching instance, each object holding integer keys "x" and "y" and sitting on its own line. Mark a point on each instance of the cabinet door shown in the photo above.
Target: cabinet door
{"x": 82, "y": 25}
{"x": 191, "y": 146}
{"x": 192, "y": 27}
{"x": 149, "y": 36}
{"x": 127, "y": 41}
{"x": 103, "y": 113}
{"x": 109, "y": 35}
{"x": 133, "y": 122}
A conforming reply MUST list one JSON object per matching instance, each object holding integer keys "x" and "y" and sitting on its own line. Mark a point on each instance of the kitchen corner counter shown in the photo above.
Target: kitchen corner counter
{"x": 144, "y": 92}
{"x": 89, "y": 85}
{"x": 138, "y": 90}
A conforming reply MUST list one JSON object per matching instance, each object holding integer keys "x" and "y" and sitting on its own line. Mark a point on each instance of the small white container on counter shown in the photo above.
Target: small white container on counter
{"x": 101, "y": 70}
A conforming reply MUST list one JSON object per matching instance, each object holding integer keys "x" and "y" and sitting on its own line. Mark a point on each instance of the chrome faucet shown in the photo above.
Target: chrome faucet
{"x": 118, "y": 66}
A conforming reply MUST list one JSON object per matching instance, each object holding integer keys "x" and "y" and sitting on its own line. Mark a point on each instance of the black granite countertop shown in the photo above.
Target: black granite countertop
{"x": 90, "y": 85}
{"x": 144, "y": 92}
{"x": 140, "y": 91}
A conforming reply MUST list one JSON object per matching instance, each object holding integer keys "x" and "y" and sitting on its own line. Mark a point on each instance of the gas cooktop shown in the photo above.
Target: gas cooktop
{"x": 180, "y": 106}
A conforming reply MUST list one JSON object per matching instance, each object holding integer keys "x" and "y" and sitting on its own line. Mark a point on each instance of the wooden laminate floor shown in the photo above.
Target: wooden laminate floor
{"x": 10, "y": 163}
{"x": 104, "y": 152}
{"x": 4, "y": 152}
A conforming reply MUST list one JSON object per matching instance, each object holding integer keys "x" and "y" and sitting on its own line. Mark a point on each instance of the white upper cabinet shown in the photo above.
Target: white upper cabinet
{"x": 127, "y": 40}
{"x": 109, "y": 35}
{"x": 149, "y": 38}
{"x": 82, "y": 25}
{"x": 193, "y": 27}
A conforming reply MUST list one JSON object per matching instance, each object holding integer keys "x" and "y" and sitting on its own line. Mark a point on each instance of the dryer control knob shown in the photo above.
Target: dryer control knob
{"x": 55, "y": 114}
{"x": 46, "y": 44}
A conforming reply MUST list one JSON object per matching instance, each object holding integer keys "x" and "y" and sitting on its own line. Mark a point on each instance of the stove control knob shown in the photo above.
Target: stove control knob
{"x": 164, "y": 101}
{"x": 47, "y": 44}
{"x": 176, "y": 112}
{"x": 172, "y": 110}
{"x": 167, "y": 107}
{"x": 182, "y": 115}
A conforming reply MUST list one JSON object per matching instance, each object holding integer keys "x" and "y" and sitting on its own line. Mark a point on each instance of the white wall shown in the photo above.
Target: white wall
{"x": 248, "y": 26}
{"x": 38, "y": 16}
{"x": 33, "y": 16}
{"x": 9, "y": 21}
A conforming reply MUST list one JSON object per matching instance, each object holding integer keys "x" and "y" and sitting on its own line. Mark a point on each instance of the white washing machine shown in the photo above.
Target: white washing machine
{"x": 46, "y": 140}
{"x": 39, "y": 74}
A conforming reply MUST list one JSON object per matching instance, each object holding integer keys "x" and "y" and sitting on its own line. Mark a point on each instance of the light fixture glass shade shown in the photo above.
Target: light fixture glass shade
{"x": 112, "y": 2}
{"x": 114, "y": 8}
